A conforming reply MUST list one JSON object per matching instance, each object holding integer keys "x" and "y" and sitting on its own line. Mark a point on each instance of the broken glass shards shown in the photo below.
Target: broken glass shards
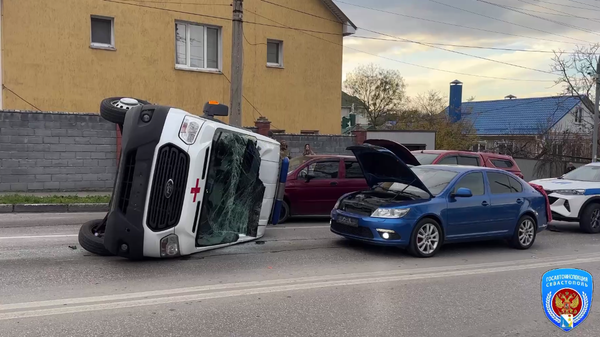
{"x": 234, "y": 192}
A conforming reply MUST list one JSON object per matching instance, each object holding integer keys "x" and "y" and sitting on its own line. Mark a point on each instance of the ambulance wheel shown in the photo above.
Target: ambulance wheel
{"x": 89, "y": 241}
{"x": 113, "y": 109}
{"x": 284, "y": 213}
{"x": 590, "y": 219}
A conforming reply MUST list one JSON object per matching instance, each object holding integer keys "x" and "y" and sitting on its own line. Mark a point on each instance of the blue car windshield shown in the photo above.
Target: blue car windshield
{"x": 434, "y": 179}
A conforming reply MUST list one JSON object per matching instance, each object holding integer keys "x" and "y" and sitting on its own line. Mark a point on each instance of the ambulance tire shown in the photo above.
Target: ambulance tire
{"x": 115, "y": 114}
{"x": 91, "y": 242}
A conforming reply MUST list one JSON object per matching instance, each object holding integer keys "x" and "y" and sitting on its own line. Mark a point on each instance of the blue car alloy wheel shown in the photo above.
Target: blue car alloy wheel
{"x": 426, "y": 239}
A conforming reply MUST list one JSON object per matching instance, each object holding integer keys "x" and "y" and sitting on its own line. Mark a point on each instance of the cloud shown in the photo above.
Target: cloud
{"x": 545, "y": 35}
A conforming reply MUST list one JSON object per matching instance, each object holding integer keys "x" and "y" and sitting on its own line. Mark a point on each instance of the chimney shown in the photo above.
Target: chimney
{"x": 263, "y": 126}
{"x": 454, "y": 110}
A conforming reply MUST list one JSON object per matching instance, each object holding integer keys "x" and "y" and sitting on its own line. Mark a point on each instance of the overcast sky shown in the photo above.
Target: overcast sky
{"x": 420, "y": 80}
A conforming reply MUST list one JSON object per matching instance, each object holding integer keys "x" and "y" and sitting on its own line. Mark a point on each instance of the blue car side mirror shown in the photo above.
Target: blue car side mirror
{"x": 463, "y": 192}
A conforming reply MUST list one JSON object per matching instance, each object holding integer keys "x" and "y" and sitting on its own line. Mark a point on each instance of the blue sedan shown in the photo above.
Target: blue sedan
{"x": 423, "y": 207}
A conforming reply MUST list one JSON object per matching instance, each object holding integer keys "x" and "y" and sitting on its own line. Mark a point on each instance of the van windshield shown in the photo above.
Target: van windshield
{"x": 234, "y": 193}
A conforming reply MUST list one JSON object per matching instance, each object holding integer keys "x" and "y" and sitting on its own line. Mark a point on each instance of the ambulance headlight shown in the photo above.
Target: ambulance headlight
{"x": 169, "y": 246}
{"x": 189, "y": 130}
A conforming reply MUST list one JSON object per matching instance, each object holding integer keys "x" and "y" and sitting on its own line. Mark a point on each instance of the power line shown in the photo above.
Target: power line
{"x": 431, "y": 46}
{"x": 461, "y": 45}
{"x": 21, "y": 98}
{"x": 252, "y": 105}
{"x": 217, "y": 17}
{"x": 461, "y": 53}
{"x": 412, "y": 64}
{"x": 583, "y": 3}
{"x": 569, "y": 6}
{"x": 252, "y": 44}
{"x": 432, "y": 43}
{"x": 505, "y": 21}
{"x": 178, "y": 3}
{"x": 454, "y": 24}
{"x": 555, "y": 14}
{"x": 557, "y": 11}
{"x": 538, "y": 17}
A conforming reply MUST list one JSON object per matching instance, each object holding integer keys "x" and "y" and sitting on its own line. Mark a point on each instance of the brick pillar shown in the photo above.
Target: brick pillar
{"x": 359, "y": 136}
{"x": 263, "y": 126}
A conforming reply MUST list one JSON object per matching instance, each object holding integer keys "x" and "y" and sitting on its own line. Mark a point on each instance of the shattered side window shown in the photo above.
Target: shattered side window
{"x": 234, "y": 192}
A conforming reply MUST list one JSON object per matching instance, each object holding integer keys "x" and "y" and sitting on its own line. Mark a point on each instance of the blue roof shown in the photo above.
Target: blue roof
{"x": 523, "y": 116}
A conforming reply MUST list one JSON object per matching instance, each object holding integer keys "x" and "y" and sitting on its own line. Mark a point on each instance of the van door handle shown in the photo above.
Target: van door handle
{"x": 484, "y": 203}
{"x": 519, "y": 201}
{"x": 333, "y": 183}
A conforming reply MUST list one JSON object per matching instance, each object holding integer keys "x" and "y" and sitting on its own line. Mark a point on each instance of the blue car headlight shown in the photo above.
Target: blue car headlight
{"x": 570, "y": 192}
{"x": 390, "y": 213}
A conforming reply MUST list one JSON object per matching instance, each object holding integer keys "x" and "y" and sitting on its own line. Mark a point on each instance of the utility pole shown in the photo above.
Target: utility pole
{"x": 237, "y": 64}
{"x": 596, "y": 108}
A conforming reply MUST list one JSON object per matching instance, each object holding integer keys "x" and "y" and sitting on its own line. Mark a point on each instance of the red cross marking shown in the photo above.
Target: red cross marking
{"x": 196, "y": 190}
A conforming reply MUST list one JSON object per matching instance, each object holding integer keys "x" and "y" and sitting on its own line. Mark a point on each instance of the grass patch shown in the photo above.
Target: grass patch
{"x": 54, "y": 199}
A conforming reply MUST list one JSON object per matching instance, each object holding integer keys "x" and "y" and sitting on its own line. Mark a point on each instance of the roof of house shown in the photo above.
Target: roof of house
{"x": 524, "y": 116}
{"x": 349, "y": 26}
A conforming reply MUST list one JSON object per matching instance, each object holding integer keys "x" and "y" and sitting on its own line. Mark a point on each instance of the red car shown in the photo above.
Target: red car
{"x": 447, "y": 157}
{"x": 315, "y": 183}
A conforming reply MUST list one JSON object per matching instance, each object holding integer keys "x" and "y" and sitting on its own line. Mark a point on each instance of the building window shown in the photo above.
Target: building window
{"x": 197, "y": 47}
{"x": 275, "y": 53}
{"x": 578, "y": 115}
{"x": 103, "y": 32}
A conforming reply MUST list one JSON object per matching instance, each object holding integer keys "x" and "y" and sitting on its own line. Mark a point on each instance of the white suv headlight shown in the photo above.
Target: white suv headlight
{"x": 188, "y": 132}
{"x": 390, "y": 213}
{"x": 570, "y": 192}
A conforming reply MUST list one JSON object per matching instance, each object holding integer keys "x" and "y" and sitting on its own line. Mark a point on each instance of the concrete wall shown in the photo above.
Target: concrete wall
{"x": 406, "y": 138}
{"x": 320, "y": 144}
{"x": 56, "y": 152}
{"x": 528, "y": 168}
{"x": 47, "y": 59}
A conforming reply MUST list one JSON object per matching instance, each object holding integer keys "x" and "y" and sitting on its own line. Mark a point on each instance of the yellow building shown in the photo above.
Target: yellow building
{"x": 67, "y": 55}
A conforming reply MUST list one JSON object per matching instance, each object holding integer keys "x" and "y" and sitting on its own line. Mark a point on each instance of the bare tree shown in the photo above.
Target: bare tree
{"x": 576, "y": 70}
{"x": 432, "y": 102}
{"x": 427, "y": 112}
{"x": 381, "y": 90}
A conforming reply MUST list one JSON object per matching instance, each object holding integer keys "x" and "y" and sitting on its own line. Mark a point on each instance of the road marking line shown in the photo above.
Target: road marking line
{"x": 266, "y": 287}
{"x": 37, "y": 236}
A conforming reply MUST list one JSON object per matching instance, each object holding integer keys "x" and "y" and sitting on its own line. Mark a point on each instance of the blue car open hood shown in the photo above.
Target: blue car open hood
{"x": 386, "y": 161}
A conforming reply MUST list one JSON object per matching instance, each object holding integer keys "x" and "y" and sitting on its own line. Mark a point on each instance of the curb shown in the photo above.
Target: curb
{"x": 53, "y": 208}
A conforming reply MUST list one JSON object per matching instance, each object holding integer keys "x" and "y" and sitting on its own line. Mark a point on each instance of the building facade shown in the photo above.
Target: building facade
{"x": 68, "y": 55}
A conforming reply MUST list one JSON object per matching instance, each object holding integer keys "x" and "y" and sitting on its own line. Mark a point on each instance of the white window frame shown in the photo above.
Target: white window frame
{"x": 97, "y": 45}
{"x": 187, "y": 48}
{"x": 280, "y": 63}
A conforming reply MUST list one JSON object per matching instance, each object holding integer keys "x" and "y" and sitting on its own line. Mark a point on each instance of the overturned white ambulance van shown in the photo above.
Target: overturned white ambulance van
{"x": 185, "y": 183}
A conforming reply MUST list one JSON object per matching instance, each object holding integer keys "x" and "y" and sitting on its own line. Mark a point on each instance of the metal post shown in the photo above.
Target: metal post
{"x": 237, "y": 64}
{"x": 596, "y": 108}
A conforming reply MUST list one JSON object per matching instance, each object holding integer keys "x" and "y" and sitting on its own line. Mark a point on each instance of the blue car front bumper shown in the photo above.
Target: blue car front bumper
{"x": 372, "y": 230}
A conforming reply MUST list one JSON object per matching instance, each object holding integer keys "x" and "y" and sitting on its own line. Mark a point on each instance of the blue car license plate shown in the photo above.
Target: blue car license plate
{"x": 347, "y": 221}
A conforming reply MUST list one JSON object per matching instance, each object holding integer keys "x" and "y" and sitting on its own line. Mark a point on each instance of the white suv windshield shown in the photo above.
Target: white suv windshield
{"x": 584, "y": 173}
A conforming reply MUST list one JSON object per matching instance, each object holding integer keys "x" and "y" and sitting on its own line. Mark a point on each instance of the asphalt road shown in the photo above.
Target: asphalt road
{"x": 300, "y": 280}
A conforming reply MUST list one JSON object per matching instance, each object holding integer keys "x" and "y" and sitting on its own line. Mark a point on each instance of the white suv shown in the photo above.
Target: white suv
{"x": 575, "y": 196}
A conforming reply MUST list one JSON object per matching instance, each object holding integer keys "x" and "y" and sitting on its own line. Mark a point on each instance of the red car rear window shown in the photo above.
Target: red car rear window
{"x": 502, "y": 163}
